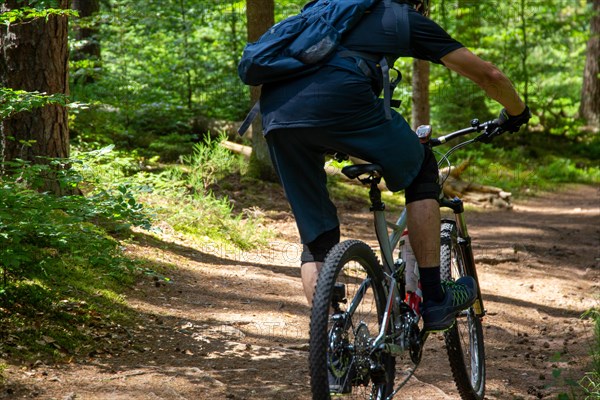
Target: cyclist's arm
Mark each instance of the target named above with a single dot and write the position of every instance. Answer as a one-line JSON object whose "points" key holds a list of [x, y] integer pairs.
{"points": [[487, 76]]}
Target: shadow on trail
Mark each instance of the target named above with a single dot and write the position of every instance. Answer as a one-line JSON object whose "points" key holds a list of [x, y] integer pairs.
{"points": [[223, 256], [542, 309], [193, 358], [191, 291]]}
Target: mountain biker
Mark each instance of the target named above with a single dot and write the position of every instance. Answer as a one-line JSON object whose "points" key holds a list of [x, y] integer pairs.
{"points": [[338, 108]]}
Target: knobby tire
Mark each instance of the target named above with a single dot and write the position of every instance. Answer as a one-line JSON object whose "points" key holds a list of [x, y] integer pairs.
{"points": [[464, 341], [349, 262]]}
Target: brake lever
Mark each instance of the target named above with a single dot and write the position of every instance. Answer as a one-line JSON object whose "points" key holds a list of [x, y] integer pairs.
{"points": [[491, 131]]}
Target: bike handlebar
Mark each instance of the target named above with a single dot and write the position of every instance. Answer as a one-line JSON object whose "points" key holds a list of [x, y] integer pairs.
{"points": [[490, 130]]}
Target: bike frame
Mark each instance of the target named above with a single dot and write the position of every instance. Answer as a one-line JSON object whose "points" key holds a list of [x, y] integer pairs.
{"points": [[389, 241], [398, 318]]}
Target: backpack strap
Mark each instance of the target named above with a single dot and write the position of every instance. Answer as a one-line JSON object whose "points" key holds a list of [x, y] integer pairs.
{"points": [[388, 86], [249, 119]]}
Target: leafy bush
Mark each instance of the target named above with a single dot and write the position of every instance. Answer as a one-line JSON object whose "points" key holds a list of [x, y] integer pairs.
{"points": [[185, 197], [36, 228], [591, 381]]}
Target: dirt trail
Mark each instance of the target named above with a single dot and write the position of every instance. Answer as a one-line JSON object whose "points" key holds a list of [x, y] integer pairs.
{"points": [[233, 325]]}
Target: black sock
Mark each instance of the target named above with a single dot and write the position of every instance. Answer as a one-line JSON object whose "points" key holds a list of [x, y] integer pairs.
{"points": [[431, 284]]}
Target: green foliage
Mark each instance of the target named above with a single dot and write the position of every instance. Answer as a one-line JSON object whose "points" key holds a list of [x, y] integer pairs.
{"points": [[181, 195], [60, 262], [166, 63], [15, 101], [163, 64], [522, 169], [210, 162], [28, 13], [172, 147], [55, 250], [189, 203], [539, 45], [591, 381], [37, 227]]}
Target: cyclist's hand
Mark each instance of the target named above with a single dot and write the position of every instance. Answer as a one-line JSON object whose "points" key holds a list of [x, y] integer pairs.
{"points": [[512, 123]]}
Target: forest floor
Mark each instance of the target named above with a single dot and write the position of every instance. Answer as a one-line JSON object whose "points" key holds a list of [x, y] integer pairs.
{"points": [[234, 325]]}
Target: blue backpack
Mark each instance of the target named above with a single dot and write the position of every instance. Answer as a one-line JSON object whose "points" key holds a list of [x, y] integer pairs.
{"points": [[301, 43]]}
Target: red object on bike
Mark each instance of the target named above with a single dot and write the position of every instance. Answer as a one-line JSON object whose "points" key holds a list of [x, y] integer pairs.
{"points": [[414, 301]]}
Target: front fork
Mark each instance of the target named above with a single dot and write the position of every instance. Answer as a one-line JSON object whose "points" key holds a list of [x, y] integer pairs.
{"points": [[464, 244]]}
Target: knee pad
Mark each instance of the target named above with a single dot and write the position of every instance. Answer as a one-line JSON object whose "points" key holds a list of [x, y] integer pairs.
{"points": [[426, 184], [318, 248]]}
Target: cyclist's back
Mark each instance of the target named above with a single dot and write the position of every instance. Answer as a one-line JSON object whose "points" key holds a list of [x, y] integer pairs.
{"points": [[350, 86]]}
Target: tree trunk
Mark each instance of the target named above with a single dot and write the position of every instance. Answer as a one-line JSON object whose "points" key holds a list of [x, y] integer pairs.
{"points": [[420, 93], [590, 92], [35, 58], [260, 17], [87, 35]]}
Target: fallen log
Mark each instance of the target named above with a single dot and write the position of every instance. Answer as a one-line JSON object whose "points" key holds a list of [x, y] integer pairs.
{"points": [[471, 192], [237, 148]]}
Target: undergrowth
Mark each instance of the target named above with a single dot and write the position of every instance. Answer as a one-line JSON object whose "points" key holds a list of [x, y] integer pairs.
{"points": [[61, 267], [63, 270], [182, 194], [524, 170], [591, 381]]}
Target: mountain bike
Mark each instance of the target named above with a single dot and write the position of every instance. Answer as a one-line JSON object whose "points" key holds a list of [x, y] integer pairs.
{"points": [[366, 338]]}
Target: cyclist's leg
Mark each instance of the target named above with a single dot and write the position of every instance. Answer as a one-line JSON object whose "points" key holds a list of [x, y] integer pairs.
{"points": [[424, 227], [299, 159], [312, 259], [310, 272], [423, 218], [441, 302]]}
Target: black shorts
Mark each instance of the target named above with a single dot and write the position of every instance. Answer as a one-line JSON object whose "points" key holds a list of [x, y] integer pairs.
{"points": [[426, 184], [298, 155]]}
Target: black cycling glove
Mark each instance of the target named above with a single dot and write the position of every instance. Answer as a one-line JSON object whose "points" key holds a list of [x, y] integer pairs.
{"points": [[513, 123]]}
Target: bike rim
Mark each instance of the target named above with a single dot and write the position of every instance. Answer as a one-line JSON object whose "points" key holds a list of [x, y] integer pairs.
{"points": [[466, 325]]}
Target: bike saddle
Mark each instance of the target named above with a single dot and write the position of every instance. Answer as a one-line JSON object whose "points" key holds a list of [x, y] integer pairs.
{"points": [[354, 171]]}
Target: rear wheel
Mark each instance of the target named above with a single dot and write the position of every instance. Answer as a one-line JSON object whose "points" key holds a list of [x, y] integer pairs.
{"points": [[347, 310], [464, 341]]}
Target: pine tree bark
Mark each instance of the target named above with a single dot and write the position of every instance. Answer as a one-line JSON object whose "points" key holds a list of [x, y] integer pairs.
{"points": [[34, 57], [590, 92], [260, 15], [420, 93]]}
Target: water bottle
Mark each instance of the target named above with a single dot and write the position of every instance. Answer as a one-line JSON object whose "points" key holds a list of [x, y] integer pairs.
{"points": [[413, 291]]}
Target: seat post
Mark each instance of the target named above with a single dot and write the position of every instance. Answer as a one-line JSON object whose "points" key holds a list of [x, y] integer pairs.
{"points": [[375, 195]]}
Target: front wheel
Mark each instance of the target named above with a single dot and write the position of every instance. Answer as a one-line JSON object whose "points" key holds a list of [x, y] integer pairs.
{"points": [[346, 316], [464, 341]]}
